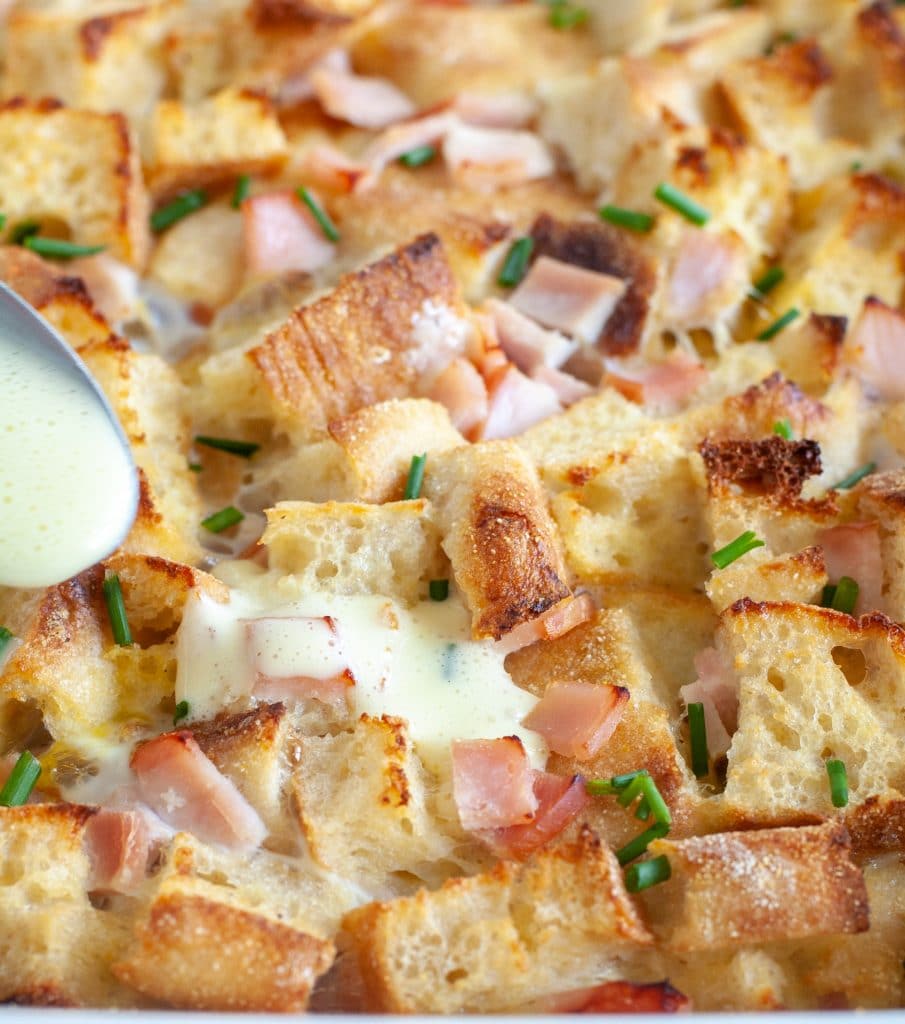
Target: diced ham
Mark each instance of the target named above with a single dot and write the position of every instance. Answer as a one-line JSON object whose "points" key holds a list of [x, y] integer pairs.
{"points": [[717, 689], [560, 800], [568, 298], [297, 88], [493, 785], [179, 783], [854, 550], [119, 844], [356, 99], [281, 234], [556, 621], [296, 658], [462, 390], [516, 403], [329, 167], [525, 342], [876, 350], [496, 110], [112, 285], [665, 385], [577, 718], [568, 389], [617, 997], [708, 274], [494, 157], [399, 139]]}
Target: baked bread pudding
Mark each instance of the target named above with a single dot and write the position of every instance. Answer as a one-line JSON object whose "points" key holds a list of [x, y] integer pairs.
{"points": [[512, 619]]}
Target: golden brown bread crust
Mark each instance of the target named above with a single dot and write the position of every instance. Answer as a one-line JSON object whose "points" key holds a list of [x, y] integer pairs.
{"points": [[772, 467]]}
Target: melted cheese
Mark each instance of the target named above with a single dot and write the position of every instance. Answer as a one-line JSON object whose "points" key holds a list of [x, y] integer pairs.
{"points": [[419, 664]]}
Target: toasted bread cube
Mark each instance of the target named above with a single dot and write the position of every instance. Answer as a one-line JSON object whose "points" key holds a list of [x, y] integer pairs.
{"points": [[881, 497], [233, 132], [391, 549], [744, 888], [271, 13], [499, 939], [80, 169]]}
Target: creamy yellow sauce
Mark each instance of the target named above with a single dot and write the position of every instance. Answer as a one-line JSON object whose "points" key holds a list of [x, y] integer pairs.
{"points": [[416, 663], [68, 488]]}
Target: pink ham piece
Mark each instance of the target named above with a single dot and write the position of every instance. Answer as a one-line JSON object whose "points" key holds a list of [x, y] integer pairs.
{"points": [[179, 783], [617, 997], [281, 234], [494, 157], [568, 298], [330, 168], [516, 403], [119, 844], [462, 390], [576, 719], [524, 341], [399, 139], [854, 550], [356, 99], [297, 658], [560, 800], [664, 386], [708, 276], [876, 350], [496, 110], [556, 621], [113, 286], [717, 689], [493, 785], [568, 389]]}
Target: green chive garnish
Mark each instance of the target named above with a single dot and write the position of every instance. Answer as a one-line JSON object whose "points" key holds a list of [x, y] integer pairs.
{"points": [[600, 787], [646, 873], [227, 444], [58, 249], [319, 213], [24, 230], [17, 788], [415, 477], [182, 711], [631, 791], [176, 209], [564, 15], [845, 596], [697, 727], [855, 477], [742, 544], [651, 801], [783, 428], [195, 467], [855, 166], [240, 192], [438, 590], [768, 281], [222, 520], [828, 596], [835, 769], [418, 156], [2, 221], [640, 843], [5, 637], [634, 220], [516, 262], [620, 781], [676, 200], [116, 609], [769, 333]]}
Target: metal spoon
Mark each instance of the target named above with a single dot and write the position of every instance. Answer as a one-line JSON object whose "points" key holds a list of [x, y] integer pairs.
{"points": [[68, 483]]}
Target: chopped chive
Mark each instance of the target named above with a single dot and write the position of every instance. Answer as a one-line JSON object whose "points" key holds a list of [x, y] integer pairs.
{"points": [[319, 213], [628, 794], [676, 200], [855, 477], [564, 15], [415, 477], [58, 249], [828, 595], [835, 769], [855, 166], [600, 787], [700, 759], [646, 873], [2, 221], [5, 637], [24, 230], [655, 802], [418, 156], [634, 220], [783, 428], [195, 467], [846, 596], [642, 811], [438, 590], [516, 262], [768, 281], [227, 444], [769, 333], [640, 843], [449, 658], [734, 550], [222, 520], [620, 781], [182, 711], [116, 609], [176, 209], [240, 192], [17, 788]]}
